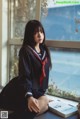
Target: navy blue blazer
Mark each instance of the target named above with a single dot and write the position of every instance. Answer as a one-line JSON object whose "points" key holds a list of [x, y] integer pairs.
{"points": [[33, 69]]}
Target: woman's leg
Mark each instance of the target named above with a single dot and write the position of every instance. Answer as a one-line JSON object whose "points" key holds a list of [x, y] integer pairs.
{"points": [[24, 114]]}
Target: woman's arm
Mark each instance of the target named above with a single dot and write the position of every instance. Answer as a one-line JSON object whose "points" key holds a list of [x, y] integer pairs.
{"points": [[25, 71]]}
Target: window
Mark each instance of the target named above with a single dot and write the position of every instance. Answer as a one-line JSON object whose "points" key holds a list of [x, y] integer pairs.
{"points": [[62, 28], [3, 41]]}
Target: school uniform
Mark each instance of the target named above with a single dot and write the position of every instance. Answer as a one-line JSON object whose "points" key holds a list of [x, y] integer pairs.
{"points": [[34, 70], [32, 80]]}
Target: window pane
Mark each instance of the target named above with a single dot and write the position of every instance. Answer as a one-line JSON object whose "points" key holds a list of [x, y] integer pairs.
{"points": [[21, 12], [64, 79], [13, 63], [62, 22]]}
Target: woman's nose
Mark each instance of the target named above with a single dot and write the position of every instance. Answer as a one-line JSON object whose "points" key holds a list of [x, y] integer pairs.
{"points": [[39, 33]]}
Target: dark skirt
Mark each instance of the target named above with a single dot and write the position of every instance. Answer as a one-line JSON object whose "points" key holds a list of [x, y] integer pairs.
{"points": [[12, 95], [13, 98]]}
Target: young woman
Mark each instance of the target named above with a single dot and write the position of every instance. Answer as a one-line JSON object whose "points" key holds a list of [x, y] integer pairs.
{"points": [[30, 86]]}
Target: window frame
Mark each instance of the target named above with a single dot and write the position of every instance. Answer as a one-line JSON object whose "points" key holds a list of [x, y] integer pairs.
{"points": [[63, 44], [4, 40]]}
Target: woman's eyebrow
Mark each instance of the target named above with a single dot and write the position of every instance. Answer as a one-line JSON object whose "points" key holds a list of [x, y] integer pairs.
{"points": [[38, 29]]}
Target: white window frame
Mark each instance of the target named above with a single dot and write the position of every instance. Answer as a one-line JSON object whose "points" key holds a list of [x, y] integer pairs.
{"points": [[1, 39], [3, 42]]}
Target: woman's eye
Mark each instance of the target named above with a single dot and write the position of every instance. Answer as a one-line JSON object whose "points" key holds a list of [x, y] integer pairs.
{"points": [[35, 32], [41, 31]]}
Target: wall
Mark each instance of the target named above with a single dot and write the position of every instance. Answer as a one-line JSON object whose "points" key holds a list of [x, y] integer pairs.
{"points": [[3, 42]]}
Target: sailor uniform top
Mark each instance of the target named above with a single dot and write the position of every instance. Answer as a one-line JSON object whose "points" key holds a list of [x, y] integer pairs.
{"points": [[34, 70]]}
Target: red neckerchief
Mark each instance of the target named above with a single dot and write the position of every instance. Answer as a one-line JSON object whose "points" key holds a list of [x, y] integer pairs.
{"points": [[43, 62], [43, 75]]}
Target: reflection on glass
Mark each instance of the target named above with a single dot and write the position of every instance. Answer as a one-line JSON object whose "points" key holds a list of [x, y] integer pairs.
{"points": [[62, 23], [64, 80]]}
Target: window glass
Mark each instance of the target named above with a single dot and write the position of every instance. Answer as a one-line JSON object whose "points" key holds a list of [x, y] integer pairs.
{"points": [[64, 79], [21, 12], [14, 59], [62, 22]]}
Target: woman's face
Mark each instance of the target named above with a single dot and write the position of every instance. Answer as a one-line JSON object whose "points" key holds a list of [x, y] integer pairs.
{"points": [[38, 36]]}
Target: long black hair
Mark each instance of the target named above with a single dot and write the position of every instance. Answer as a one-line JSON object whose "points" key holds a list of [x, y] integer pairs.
{"points": [[30, 29]]}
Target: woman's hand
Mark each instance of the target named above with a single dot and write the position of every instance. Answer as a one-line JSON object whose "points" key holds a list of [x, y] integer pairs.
{"points": [[33, 104]]}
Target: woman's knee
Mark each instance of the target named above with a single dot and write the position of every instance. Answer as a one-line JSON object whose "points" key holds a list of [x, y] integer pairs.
{"points": [[44, 99], [43, 103]]}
